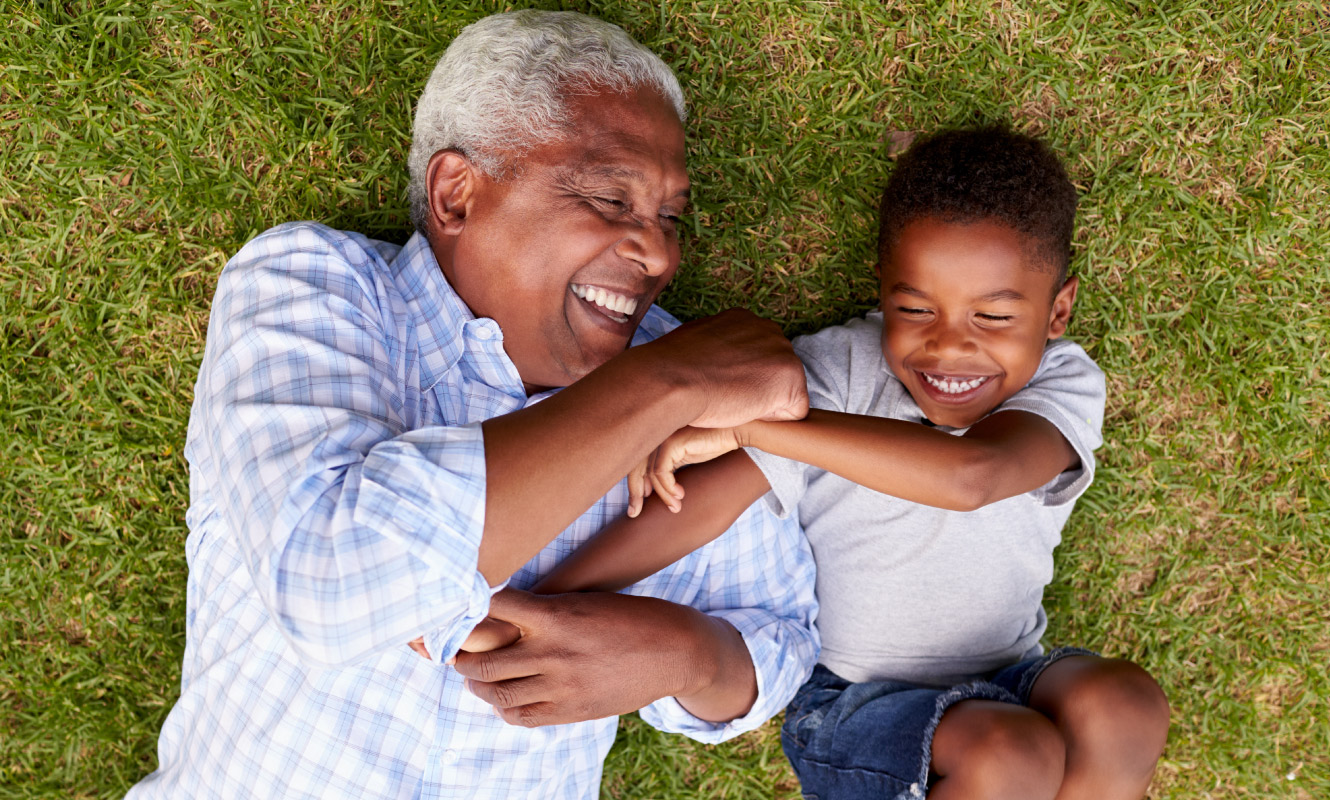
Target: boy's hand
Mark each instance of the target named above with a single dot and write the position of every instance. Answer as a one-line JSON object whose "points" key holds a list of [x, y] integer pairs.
{"points": [[490, 634], [685, 446]]}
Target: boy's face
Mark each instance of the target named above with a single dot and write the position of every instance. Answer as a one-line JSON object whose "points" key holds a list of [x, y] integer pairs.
{"points": [[967, 314]]}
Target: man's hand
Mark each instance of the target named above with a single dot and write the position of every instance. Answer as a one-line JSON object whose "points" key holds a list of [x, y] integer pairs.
{"points": [[742, 365], [686, 446], [593, 655]]}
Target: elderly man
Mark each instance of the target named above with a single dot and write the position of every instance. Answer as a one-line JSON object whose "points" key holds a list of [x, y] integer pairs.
{"points": [[377, 446]]}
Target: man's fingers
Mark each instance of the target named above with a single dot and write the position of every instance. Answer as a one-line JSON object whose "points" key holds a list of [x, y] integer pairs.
{"points": [[506, 664], [531, 702], [796, 408], [418, 644], [513, 693]]}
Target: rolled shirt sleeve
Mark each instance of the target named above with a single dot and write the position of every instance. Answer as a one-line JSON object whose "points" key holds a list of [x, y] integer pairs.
{"points": [[358, 531], [759, 578]]}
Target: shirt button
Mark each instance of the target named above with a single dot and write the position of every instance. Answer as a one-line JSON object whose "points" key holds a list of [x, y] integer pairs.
{"points": [[483, 332], [451, 757]]}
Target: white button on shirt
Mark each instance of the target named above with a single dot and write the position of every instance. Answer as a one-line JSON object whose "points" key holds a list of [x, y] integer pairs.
{"points": [[337, 487]]}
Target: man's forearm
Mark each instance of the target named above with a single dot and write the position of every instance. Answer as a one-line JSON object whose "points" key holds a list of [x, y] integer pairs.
{"points": [[548, 463], [722, 681]]}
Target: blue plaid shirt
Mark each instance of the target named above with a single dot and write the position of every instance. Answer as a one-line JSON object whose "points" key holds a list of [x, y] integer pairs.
{"points": [[337, 488]]}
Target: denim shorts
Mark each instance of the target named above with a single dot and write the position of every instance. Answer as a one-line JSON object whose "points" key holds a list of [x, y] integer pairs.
{"points": [[854, 741]]}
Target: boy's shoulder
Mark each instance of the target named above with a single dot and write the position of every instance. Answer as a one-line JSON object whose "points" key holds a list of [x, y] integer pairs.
{"points": [[846, 370], [860, 337], [1063, 357]]}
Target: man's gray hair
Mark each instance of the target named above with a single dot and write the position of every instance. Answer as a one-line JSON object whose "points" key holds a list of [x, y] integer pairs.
{"points": [[500, 88]]}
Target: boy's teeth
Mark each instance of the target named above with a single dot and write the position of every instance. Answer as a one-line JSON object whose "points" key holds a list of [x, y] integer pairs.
{"points": [[953, 386], [609, 301]]}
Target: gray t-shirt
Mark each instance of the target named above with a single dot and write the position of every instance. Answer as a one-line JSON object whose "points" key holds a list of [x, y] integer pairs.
{"points": [[911, 592]]}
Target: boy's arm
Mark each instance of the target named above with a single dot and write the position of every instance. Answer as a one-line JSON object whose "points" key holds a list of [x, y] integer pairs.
{"points": [[632, 548], [1001, 456], [628, 550]]}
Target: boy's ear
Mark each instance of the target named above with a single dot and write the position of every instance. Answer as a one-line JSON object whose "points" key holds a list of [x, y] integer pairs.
{"points": [[1060, 315], [450, 183]]}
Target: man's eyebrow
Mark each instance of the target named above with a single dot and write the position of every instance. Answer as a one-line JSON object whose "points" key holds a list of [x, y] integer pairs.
{"points": [[614, 172]]}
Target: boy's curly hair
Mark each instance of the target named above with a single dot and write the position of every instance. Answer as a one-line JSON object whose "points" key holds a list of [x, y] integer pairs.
{"points": [[970, 174]]}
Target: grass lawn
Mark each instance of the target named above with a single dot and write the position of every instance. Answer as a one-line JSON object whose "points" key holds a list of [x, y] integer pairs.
{"points": [[142, 143]]}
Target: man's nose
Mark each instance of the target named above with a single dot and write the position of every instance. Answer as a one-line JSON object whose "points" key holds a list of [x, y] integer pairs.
{"points": [[649, 244]]}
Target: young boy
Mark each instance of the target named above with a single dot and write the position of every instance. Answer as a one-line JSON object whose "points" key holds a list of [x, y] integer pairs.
{"points": [[950, 435]]}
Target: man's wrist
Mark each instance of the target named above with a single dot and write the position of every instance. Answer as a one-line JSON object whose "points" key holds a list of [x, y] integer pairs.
{"points": [[664, 380], [719, 681]]}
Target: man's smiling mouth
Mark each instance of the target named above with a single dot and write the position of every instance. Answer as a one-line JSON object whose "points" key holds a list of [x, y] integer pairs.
{"points": [[616, 306]]}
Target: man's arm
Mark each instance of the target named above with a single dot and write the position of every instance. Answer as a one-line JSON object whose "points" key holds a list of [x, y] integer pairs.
{"points": [[361, 532], [711, 671], [588, 656], [547, 464]]}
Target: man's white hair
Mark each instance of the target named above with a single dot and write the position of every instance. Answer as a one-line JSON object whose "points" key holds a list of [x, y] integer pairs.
{"points": [[500, 88]]}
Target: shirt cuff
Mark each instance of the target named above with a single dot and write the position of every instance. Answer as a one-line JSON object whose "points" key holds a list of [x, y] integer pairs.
{"points": [[781, 663], [444, 643]]}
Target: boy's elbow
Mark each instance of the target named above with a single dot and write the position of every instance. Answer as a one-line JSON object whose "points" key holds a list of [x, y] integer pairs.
{"points": [[975, 484]]}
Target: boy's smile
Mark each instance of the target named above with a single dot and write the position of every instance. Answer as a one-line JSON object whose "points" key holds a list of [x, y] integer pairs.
{"points": [[966, 315]]}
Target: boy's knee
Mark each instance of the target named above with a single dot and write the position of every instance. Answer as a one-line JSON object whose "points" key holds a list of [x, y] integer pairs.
{"points": [[1114, 702], [1009, 750]]}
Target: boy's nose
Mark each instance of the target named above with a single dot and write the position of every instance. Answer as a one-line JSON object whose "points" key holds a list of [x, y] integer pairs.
{"points": [[950, 341]]}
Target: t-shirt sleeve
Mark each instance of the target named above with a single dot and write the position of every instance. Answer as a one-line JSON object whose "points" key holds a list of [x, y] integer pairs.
{"points": [[827, 390], [1067, 390]]}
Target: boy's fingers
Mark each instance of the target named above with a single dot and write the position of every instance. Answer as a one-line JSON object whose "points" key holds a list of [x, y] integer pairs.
{"points": [[491, 634], [418, 644], [639, 488], [667, 493]]}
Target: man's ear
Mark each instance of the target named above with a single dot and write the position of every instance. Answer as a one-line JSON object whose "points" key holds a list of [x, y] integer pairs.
{"points": [[450, 182], [1062, 303]]}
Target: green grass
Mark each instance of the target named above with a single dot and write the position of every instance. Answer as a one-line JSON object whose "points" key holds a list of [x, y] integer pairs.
{"points": [[141, 144]]}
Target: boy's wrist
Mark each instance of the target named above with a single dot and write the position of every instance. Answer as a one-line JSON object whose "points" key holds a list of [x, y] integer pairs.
{"points": [[748, 434]]}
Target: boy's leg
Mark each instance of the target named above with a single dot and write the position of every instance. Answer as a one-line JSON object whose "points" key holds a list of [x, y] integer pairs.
{"points": [[1114, 719], [989, 749]]}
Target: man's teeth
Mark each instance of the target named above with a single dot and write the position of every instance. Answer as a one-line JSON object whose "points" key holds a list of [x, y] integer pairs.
{"points": [[609, 301], [953, 386]]}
